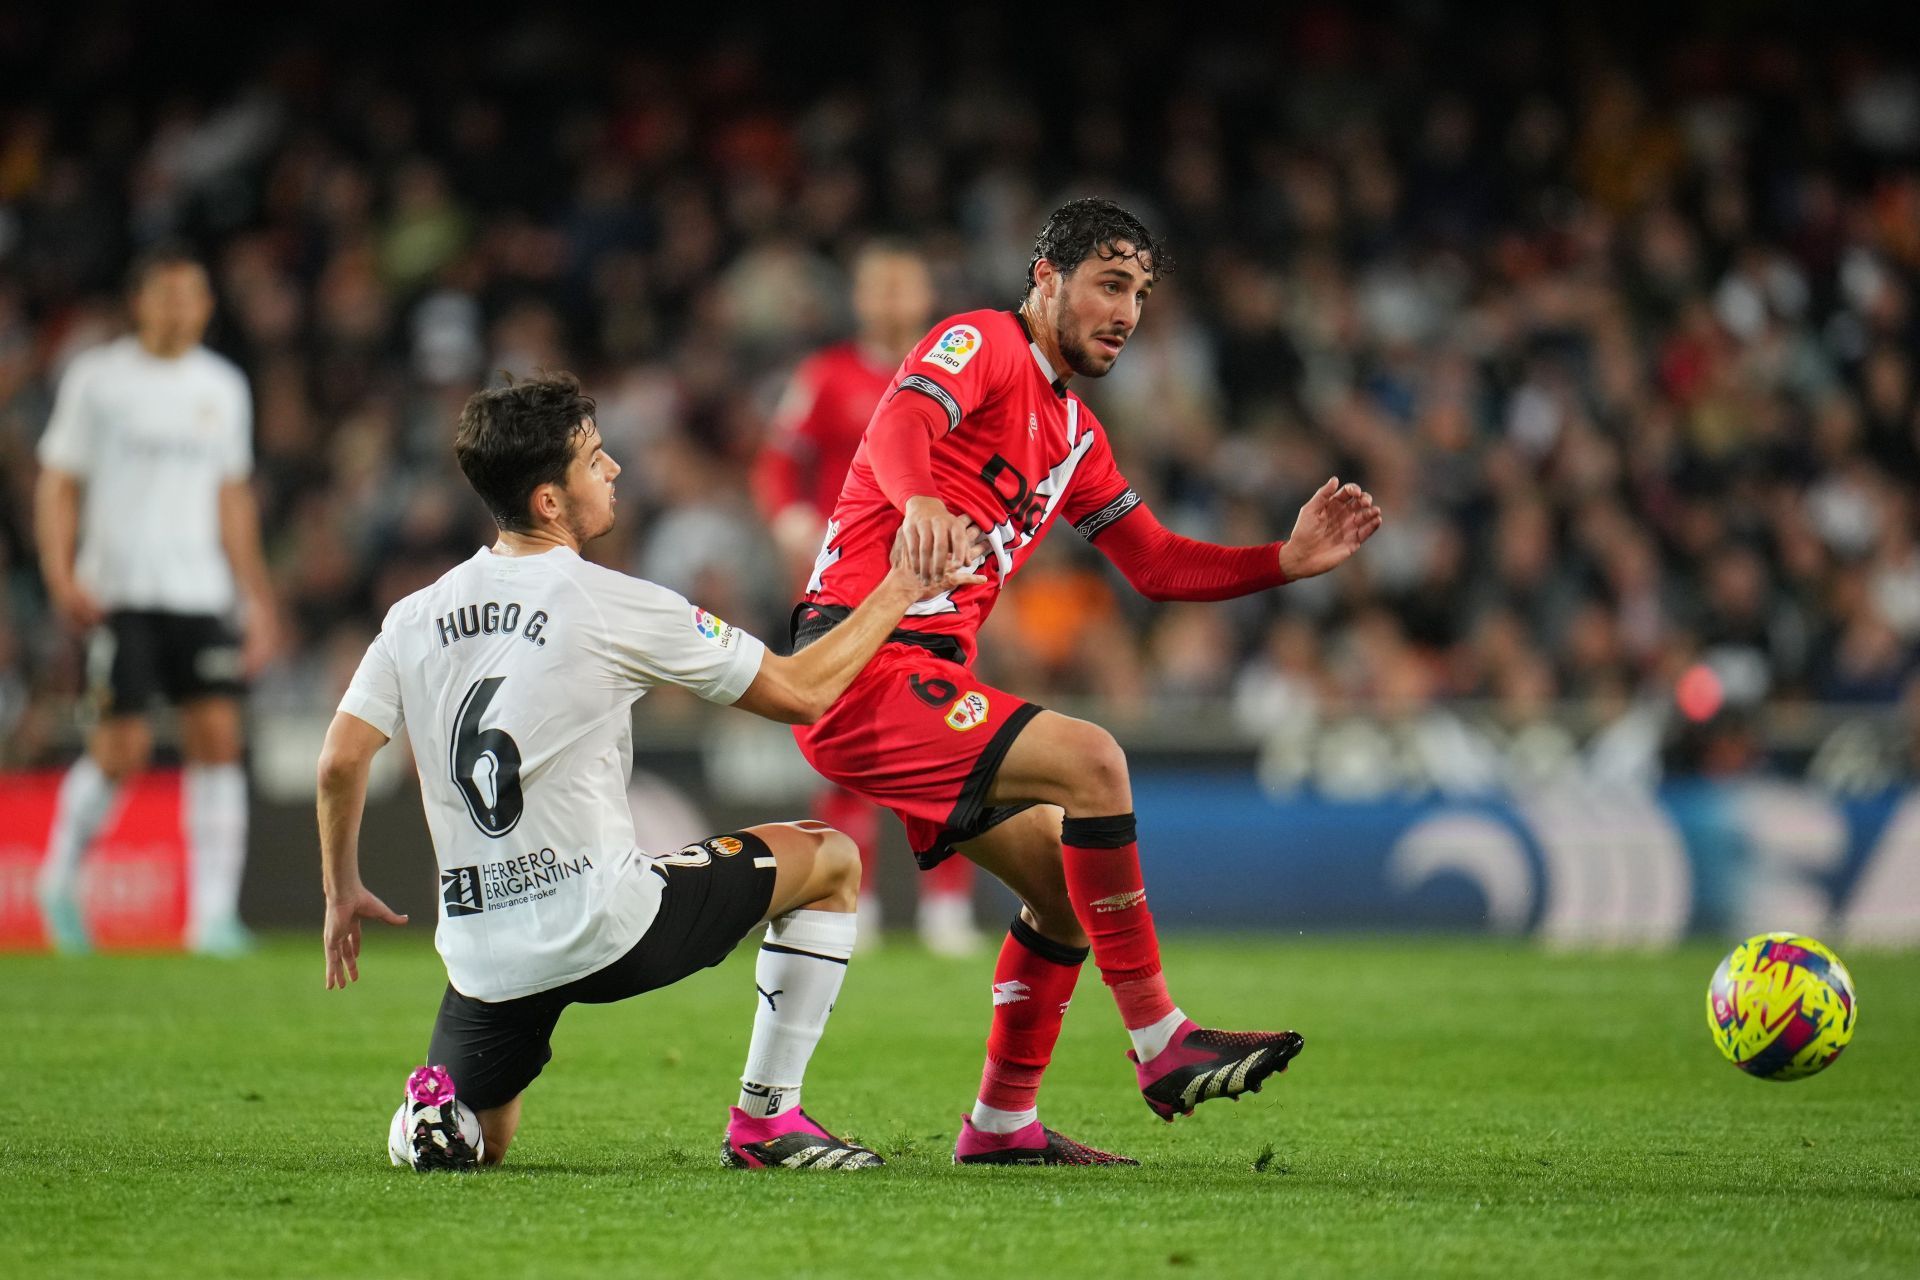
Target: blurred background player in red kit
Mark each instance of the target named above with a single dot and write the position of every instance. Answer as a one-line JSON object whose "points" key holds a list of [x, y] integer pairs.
{"points": [[797, 480]]}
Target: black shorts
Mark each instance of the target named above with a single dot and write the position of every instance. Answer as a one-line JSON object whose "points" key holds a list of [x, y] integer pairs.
{"points": [[713, 897], [137, 655]]}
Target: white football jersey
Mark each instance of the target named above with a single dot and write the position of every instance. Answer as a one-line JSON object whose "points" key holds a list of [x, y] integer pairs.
{"points": [[514, 677], [152, 440]]}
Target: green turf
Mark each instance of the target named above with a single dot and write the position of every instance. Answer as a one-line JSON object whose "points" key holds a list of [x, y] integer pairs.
{"points": [[1461, 1109]]}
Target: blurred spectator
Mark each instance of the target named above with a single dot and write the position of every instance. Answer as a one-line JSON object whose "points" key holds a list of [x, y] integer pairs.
{"points": [[1622, 335]]}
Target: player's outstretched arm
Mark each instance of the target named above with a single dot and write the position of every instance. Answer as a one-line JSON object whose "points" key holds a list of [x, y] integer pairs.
{"points": [[1163, 565], [1330, 528], [344, 762], [799, 689]]}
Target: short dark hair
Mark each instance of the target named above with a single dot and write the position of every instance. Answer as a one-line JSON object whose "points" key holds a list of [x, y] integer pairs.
{"points": [[1080, 229], [515, 438], [157, 257]]}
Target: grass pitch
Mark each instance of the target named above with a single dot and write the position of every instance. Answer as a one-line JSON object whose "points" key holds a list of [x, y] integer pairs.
{"points": [[1461, 1109]]}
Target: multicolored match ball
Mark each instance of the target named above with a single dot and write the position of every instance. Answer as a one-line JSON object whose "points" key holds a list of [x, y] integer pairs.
{"points": [[1781, 1006]]}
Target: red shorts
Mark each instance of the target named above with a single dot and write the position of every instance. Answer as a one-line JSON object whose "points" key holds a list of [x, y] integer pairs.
{"points": [[924, 737]]}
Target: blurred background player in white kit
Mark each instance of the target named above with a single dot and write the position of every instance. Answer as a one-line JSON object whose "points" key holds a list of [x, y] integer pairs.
{"points": [[149, 535], [796, 482]]}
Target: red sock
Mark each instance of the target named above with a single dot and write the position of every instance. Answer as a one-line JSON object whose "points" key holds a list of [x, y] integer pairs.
{"points": [[858, 818], [1032, 983], [1109, 896], [949, 876], [1143, 1001]]}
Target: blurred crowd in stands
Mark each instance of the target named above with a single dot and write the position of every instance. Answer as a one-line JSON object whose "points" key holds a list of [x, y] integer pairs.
{"points": [[1618, 325]]}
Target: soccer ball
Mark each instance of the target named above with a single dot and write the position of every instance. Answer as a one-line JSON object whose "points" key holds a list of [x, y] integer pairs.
{"points": [[1781, 1006]]}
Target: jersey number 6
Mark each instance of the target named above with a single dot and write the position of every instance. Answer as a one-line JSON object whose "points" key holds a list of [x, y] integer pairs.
{"points": [[485, 764], [935, 692]]}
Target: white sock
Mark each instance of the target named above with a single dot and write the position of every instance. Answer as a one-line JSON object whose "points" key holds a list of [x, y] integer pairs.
{"points": [[1150, 1042], [797, 976], [946, 921], [214, 801], [993, 1120], [88, 798]]}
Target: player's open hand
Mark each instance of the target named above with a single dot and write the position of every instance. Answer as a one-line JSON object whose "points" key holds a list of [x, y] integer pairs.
{"points": [[1331, 527], [342, 933]]}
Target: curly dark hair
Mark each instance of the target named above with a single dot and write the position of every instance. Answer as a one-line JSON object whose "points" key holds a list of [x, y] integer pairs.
{"points": [[1081, 229], [515, 438]]}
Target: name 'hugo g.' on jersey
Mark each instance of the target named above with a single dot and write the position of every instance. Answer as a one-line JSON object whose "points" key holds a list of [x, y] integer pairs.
{"points": [[491, 618], [1018, 449], [515, 677]]}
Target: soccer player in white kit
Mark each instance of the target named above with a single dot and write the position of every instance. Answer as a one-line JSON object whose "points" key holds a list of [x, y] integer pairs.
{"points": [[149, 535], [514, 676]]}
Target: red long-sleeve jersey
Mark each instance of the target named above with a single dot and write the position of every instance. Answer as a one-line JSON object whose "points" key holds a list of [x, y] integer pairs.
{"points": [[817, 428], [1010, 447]]}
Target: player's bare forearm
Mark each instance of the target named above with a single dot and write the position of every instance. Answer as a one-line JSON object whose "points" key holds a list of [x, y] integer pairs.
{"points": [[240, 539], [56, 524], [799, 689], [344, 764]]}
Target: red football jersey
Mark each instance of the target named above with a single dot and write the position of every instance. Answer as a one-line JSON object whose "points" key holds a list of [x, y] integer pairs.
{"points": [[1019, 450], [817, 428]]}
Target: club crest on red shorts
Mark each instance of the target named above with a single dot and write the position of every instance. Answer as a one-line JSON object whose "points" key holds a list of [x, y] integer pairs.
{"points": [[969, 711]]}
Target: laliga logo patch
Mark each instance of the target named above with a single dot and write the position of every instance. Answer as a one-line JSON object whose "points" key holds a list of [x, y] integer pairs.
{"points": [[955, 347], [711, 627], [969, 711]]}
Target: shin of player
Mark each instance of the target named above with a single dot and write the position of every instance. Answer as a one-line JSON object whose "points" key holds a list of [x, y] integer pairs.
{"points": [[797, 975]]}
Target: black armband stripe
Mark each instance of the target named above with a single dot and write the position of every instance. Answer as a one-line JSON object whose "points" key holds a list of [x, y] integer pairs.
{"points": [[935, 392], [1090, 527]]}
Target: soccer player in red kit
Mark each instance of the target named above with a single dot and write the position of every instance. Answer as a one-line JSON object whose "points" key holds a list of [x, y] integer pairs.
{"points": [[980, 429], [796, 480]]}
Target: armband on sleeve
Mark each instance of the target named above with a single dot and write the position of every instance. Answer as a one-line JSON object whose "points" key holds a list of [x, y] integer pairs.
{"points": [[937, 393]]}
